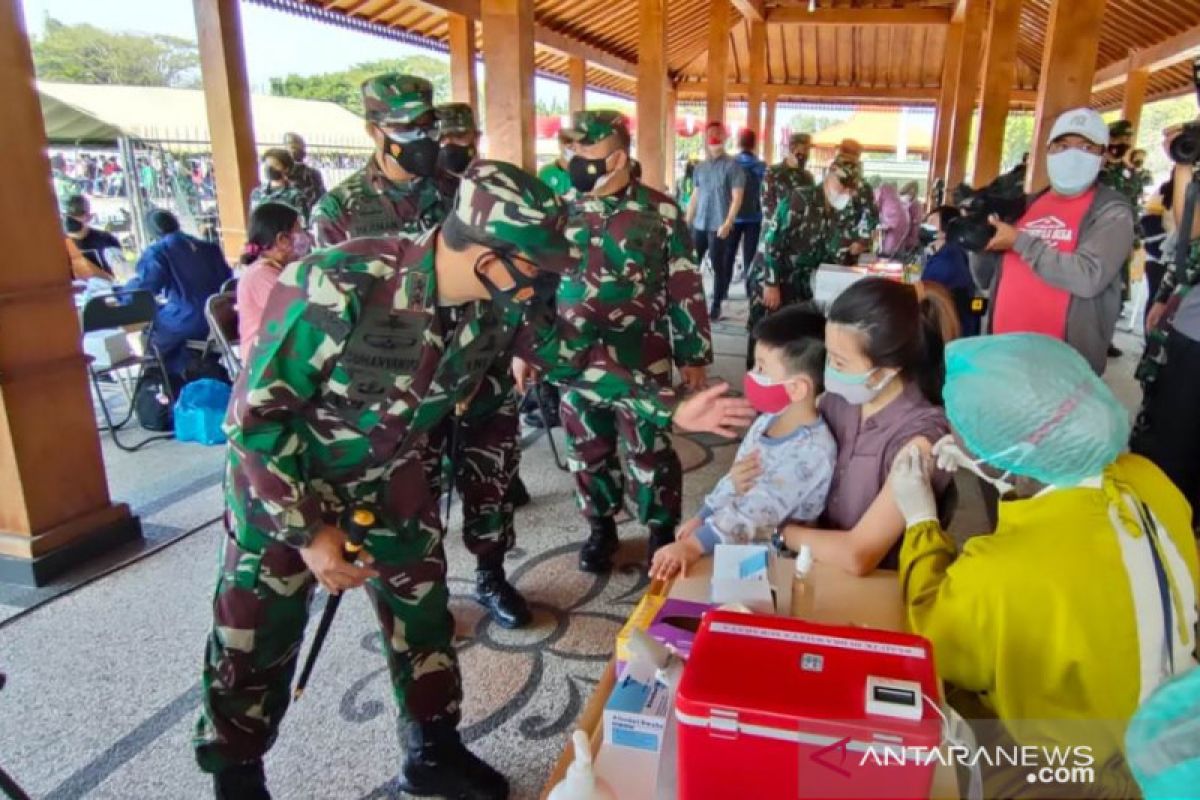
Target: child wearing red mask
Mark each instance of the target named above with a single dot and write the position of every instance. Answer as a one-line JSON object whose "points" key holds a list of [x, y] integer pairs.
{"points": [[795, 448]]}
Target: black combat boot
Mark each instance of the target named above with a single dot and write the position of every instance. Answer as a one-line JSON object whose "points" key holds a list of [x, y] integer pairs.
{"points": [[517, 494], [436, 763], [660, 536], [498, 596], [241, 782], [596, 555]]}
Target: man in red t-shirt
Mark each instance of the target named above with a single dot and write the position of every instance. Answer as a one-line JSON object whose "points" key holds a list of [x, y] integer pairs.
{"points": [[1057, 271]]}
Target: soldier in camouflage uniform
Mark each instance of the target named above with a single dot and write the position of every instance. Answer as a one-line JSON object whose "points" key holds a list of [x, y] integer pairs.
{"points": [[806, 230], [788, 175], [355, 369], [400, 190], [276, 187], [305, 178], [1118, 173], [866, 212], [484, 439], [639, 294]]}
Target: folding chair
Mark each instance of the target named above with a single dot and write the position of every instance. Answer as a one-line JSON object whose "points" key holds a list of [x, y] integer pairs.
{"points": [[537, 398], [121, 310], [221, 312], [229, 286]]}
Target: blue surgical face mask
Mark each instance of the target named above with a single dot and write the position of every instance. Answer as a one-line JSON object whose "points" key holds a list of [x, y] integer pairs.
{"points": [[853, 386]]}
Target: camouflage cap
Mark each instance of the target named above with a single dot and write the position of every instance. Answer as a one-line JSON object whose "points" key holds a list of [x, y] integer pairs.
{"points": [[456, 118], [396, 99], [1120, 129], [799, 138], [589, 127], [500, 205]]}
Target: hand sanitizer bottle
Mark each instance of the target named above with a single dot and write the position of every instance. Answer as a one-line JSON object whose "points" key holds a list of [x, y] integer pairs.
{"points": [[803, 601], [581, 782]]}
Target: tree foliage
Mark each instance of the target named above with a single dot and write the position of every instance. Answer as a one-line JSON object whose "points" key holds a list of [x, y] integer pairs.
{"points": [[1018, 139], [86, 54], [343, 87]]}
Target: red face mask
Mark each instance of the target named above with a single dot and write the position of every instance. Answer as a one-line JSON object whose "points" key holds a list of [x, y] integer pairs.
{"points": [[716, 139], [766, 398]]}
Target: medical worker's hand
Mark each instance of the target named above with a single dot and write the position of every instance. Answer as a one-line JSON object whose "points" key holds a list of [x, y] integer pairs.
{"points": [[909, 480]]}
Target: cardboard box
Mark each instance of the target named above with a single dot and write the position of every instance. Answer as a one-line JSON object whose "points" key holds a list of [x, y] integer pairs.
{"points": [[641, 618], [637, 711], [676, 622]]}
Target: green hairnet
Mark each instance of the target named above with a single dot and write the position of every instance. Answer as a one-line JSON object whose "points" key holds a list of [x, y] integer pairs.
{"points": [[1031, 405], [1163, 739]]}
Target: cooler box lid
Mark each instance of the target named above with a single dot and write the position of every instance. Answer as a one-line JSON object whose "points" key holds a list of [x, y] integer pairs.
{"points": [[777, 671]]}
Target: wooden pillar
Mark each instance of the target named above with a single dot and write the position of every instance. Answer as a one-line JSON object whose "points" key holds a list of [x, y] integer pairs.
{"points": [[463, 86], [652, 92], [718, 59], [944, 120], [758, 76], [230, 123], [769, 135], [577, 78], [55, 510], [966, 90], [508, 59], [1068, 67], [999, 72], [1135, 98], [672, 110]]}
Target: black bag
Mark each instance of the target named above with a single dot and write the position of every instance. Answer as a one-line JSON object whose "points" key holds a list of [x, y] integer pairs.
{"points": [[152, 404]]}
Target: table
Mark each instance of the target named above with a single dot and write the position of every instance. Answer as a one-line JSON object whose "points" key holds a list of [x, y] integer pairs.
{"points": [[838, 598]]}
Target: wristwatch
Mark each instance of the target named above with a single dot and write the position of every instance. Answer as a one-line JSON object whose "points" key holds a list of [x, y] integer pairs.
{"points": [[780, 545]]}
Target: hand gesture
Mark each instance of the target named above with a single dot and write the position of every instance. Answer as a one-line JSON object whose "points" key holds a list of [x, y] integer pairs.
{"points": [[325, 558]]}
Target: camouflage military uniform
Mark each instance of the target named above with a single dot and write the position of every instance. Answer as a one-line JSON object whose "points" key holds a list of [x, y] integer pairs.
{"points": [[352, 376], [288, 195], [639, 295], [804, 232], [308, 181], [781, 181]]}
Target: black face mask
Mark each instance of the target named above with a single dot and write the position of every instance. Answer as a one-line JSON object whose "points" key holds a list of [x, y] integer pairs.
{"points": [[926, 235], [418, 156], [273, 174], [586, 171], [525, 292], [455, 158], [801, 160]]}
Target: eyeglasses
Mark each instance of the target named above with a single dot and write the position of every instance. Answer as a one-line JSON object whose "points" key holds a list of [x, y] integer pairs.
{"points": [[1087, 147]]}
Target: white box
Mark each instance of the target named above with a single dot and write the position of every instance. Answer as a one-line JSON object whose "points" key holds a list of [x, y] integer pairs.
{"points": [[636, 713]]}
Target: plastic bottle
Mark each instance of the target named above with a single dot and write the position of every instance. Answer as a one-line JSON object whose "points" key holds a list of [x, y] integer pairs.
{"points": [[581, 782], [803, 601]]}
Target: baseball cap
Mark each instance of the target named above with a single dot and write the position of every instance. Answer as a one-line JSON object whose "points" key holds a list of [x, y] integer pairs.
{"points": [[1082, 122]]}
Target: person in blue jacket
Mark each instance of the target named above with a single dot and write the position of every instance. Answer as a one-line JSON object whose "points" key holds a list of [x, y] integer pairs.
{"points": [[947, 263], [747, 228], [185, 271]]}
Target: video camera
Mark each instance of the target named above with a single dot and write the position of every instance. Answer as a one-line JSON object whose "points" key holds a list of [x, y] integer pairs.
{"points": [[1185, 147], [1002, 197]]}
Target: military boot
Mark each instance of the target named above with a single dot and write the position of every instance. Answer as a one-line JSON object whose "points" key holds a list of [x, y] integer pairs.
{"points": [[493, 591], [436, 763], [596, 555], [241, 782], [660, 536]]}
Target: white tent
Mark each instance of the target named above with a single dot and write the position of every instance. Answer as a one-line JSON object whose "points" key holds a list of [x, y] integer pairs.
{"points": [[87, 113]]}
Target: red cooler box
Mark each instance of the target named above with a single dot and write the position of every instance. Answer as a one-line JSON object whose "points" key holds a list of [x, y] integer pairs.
{"points": [[776, 708]]}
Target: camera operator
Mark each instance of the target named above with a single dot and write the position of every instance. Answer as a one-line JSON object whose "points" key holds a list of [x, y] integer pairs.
{"points": [[1057, 271], [1168, 429]]}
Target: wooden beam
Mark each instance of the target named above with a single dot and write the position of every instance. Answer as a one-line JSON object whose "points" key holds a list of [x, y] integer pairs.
{"points": [[671, 136], [796, 15], [546, 36], [966, 88], [751, 10], [999, 71], [1072, 42], [508, 59], [758, 77], [944, 122], [718, 59], [464, 87], [652, 91], [1135, 98], [231, 128], [769, 132], [577, 81], [54, 501], [1178, 48], [798, 92]]}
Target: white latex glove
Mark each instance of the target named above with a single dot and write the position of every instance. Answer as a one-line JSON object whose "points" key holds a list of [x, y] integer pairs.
{"points": [[909, 480], [948, 456]]}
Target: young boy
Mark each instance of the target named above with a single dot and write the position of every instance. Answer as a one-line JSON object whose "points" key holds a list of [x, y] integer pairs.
{"points": [[797, 451]]}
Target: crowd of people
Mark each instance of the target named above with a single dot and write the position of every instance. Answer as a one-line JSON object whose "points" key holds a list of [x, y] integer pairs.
{"points": [[385, 366]]}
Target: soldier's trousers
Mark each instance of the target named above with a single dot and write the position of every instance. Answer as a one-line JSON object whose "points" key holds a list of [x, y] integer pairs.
{"points": [[655, 474], [259, 614], [487, 455]]}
